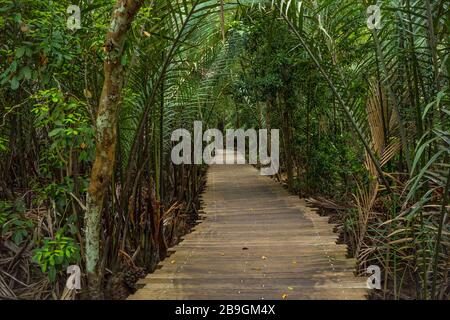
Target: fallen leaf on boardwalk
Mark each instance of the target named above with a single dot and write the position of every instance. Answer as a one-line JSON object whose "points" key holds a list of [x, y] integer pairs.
{"points": [[222, 254], [172, 262], [264, 257], [294, 262], [290, 288], [284, 296], [244, 248]]}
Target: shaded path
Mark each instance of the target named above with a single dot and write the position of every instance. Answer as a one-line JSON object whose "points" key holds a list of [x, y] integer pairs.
{"points": [[256, 242]]}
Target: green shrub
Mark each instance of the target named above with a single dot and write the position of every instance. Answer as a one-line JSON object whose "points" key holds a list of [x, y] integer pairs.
{"points": [[55, 255], [13, 223]]}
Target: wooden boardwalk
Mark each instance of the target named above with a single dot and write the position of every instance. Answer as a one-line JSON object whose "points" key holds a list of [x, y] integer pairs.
{"points": [[255, 241]]}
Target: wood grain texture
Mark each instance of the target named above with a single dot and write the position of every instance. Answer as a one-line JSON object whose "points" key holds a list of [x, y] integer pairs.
{"points": [[255, 241]]}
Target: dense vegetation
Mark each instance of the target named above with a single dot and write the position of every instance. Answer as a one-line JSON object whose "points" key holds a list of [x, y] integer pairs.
{"points": [[87, 116]]}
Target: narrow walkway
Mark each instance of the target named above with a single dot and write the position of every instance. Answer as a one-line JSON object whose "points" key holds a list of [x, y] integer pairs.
{"points": [[256, 242]]}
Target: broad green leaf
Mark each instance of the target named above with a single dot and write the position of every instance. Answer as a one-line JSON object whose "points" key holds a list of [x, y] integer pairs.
{"points": [[20, 52], [15, 83]]}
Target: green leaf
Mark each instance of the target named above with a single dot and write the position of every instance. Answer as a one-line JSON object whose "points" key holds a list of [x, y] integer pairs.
{"points": [[52, 274], [17, 238], [13, 66], [55, 132], [124, 60], [17, 17], [15, 83], [28, 52], [26, 72], [20, 52]]}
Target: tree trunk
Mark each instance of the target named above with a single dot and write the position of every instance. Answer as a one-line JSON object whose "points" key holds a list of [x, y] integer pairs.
{"points": [[106, 136]]}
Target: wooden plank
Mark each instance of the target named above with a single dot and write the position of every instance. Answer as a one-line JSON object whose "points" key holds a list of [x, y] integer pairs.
{"points": [[288, 248]]}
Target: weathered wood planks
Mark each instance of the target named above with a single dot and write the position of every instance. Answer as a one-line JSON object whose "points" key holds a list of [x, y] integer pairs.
{"points": [[256, 242]]}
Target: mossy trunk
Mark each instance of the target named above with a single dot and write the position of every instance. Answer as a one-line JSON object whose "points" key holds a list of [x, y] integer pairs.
{"points": [[106, 136]]}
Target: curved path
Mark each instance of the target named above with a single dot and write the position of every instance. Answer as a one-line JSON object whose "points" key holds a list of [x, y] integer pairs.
{"points": [[255, 241]]}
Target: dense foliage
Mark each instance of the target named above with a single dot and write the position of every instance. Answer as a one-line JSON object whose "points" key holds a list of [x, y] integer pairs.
{"points": [[363, 113]]}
